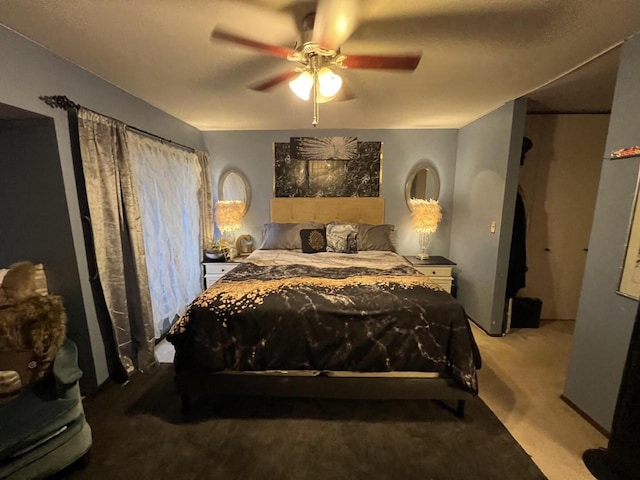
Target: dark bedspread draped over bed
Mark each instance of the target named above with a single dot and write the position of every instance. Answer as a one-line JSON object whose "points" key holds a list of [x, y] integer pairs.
{"points": [[299, 317]]}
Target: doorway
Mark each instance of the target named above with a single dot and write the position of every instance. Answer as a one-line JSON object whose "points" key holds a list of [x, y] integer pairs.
{"points": [[560, 180]]}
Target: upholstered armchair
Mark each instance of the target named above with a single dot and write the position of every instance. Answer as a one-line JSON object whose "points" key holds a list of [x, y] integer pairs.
{"points": [[42, 424], [44, 429]]}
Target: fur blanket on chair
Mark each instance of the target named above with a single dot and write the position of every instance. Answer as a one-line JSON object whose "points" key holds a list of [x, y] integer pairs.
{"points": [[32, 327], [39, 324]]}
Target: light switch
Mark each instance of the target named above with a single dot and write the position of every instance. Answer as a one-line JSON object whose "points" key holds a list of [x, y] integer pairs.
{"points": [[493, 227]]}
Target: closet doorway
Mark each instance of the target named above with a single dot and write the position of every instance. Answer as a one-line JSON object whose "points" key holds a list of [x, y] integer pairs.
{"points": [[560, 180]]}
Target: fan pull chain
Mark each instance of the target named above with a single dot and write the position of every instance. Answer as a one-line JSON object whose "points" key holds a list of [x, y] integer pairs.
{"points": [[315, 100], [314, 70]]}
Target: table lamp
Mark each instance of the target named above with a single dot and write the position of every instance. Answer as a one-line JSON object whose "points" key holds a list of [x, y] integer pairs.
{"points": [[228, 216], [425, 216]]}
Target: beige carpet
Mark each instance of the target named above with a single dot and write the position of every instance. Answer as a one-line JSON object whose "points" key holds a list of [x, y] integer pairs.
{"points": [[521, 381]]}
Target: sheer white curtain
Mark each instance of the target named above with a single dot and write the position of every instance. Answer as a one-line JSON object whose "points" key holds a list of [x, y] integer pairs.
{"points": [[168, 179]]}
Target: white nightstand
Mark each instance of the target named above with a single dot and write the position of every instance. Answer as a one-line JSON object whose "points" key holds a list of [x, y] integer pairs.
{"points": [[213, 271], [438, 269]]}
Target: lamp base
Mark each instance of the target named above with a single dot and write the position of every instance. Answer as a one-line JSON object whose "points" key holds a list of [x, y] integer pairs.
{"points": [[229, 242], [424, 239]]}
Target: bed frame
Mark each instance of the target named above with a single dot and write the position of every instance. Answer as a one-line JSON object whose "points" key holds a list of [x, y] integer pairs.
{"points": [[322, 386], [324, 210]]}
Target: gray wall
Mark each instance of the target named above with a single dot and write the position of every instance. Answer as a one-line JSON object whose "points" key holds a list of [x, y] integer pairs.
{"points": [[252, 153], [486, 182], [29, 71], [605, 319]]}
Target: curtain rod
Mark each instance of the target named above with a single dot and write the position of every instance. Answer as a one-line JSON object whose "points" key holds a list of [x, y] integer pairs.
{"points": [[62, 102]]}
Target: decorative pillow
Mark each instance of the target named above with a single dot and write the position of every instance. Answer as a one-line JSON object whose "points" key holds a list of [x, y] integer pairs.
{"points": [[40, 277], [10, 383], [313, 240], [41, 280], [18, 284], [342, 238], [18, 370], [284, 236], [375, 237]]}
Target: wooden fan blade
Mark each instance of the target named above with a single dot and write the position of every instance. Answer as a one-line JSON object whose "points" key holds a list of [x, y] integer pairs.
{"points": [[271, 82], [220, 33], [382, 62], [335, 21]]}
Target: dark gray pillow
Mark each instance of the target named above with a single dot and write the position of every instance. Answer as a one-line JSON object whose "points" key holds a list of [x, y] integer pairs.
{"points": [[375, 237], [313, 240], [284, 236]]}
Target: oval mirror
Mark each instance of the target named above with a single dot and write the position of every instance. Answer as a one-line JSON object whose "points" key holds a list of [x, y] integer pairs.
{"points": [[423, 183], [233, 185]]}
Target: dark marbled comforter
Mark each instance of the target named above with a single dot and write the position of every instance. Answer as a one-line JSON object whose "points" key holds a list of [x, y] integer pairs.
{"points": [[298, 317]]}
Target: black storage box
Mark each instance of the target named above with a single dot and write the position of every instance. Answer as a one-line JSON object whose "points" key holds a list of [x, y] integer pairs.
{"points": [[525, 312]]}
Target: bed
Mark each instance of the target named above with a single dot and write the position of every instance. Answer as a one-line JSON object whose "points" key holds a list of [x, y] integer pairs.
{"points": [[329, 324]]}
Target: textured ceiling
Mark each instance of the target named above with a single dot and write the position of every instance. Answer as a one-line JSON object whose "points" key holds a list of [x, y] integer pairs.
{"points": [[476, 55], [588, 89]]}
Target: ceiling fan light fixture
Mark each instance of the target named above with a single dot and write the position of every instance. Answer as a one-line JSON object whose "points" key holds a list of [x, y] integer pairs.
{"points": [[329, 83], [302, 85], [318, 51]]}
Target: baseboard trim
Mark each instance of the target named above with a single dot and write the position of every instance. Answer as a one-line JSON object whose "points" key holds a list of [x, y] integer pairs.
{"points": [[584, 415], [484, 329]]}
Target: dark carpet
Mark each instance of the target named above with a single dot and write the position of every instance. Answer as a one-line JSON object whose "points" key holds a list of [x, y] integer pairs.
{"points": [[138, 433]]}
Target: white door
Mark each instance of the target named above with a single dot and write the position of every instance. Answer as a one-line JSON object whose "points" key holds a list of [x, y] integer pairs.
{"points": [[560, 182]]}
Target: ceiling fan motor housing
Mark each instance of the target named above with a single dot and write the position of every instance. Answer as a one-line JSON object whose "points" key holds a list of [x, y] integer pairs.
{"points": [[307, 27]]}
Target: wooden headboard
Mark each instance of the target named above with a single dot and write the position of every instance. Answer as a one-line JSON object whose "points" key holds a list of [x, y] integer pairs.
{"points": [[326, 209]]}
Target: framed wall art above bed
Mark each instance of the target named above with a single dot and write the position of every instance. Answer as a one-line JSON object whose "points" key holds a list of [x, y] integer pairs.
{"points": [[327, 167]]}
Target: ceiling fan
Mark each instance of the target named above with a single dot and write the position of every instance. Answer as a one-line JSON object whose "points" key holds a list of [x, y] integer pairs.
{"points": [[318, 54]]}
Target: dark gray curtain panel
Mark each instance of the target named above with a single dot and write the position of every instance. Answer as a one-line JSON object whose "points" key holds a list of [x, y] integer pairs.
{"points": [[117, 232]]}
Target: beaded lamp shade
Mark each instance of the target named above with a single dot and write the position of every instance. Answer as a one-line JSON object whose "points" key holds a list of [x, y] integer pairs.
{"points": [[228, 215]]}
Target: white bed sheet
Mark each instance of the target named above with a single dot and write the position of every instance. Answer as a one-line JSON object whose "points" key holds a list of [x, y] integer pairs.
{"points": [[373, 259]]}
